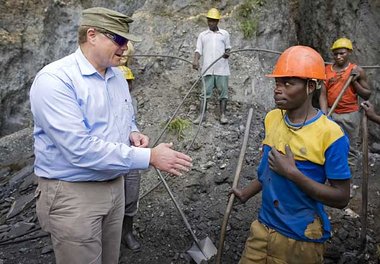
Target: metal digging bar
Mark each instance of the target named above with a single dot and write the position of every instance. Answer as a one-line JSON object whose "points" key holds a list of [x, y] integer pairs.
{"points": [[234, 184], [201, 250], [363, 214]]}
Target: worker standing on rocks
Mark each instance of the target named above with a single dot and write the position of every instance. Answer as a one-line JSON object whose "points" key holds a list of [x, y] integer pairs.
{"points": [[346, 113], [302, 149], [86, 139], [212, 44], [132, 178]]}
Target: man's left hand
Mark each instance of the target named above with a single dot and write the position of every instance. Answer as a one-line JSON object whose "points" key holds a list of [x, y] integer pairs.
{"points": [[139, 140]]}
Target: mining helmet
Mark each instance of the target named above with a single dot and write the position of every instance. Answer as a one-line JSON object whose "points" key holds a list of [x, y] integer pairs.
{"points": [[127, 72], [342, 43], [213, 13], [300, 61]]}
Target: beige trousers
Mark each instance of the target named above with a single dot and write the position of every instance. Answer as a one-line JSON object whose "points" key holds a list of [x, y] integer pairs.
{"points": [[84, 219], [266, 246]]}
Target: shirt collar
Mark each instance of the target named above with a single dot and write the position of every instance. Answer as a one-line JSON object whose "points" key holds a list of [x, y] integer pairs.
{"points": [[86, 68], [210, 31]]}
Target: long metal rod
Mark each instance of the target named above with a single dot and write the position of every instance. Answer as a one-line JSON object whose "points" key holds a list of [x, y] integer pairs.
{"points": [[187, 94], [192, 87], [175, 113], [363, 217], [239, 50], [234, 184]]}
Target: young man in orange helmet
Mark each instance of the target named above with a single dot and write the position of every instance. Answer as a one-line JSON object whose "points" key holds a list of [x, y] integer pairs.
{"points": [[211, 45], [346, 114], [302, 149]]}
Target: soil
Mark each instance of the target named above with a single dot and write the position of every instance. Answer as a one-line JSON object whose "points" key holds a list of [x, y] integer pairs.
{"points": [[203, 193]]}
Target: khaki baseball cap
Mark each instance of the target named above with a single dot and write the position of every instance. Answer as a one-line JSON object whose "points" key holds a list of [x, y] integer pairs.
{"points": [[109, 20]]}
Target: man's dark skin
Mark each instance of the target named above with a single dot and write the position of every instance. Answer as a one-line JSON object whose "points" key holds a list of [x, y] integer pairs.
{"points": [[370, 112], [294, 95], [359, 81], [213, 26]]}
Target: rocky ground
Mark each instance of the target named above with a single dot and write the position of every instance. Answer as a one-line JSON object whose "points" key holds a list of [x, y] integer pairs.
{"points": [[201, 193]]}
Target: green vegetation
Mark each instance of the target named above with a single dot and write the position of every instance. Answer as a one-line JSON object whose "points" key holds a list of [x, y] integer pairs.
{"points": [[178, 126], [248, 16]]}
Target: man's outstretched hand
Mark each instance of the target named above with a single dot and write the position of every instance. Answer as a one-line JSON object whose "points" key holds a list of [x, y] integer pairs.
{"points": [[164, 158]]}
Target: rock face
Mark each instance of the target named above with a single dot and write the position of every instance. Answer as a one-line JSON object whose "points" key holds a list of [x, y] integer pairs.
{"points": [[34, 33]]}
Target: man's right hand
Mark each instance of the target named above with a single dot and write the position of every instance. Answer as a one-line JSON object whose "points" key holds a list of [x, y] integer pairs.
{"points": [[238, 194], [164, 158], [355, 74], [369, 109]]}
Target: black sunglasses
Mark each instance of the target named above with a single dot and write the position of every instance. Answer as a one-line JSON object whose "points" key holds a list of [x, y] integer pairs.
{"points": [[119, 40]]}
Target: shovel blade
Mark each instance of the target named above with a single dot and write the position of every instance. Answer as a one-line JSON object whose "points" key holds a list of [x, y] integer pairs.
{"points": [[207, 250]]}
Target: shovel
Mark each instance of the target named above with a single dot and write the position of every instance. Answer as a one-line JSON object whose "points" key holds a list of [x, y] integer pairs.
{"points": [[201, 250]]}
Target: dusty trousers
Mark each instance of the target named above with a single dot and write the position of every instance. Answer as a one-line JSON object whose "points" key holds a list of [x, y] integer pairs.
{"points": [[350, 123], [132, 191], [84, 219], [266, 246]]}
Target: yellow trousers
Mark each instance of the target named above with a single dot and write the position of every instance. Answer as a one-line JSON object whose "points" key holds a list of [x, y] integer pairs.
{"points": [[265, 245]]}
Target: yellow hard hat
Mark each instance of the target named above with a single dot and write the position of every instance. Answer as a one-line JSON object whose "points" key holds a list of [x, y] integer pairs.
{"points": [[213, 13], [127, 73], [342, 43]]}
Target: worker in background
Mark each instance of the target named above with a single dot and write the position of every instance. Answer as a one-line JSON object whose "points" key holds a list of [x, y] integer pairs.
{"points": [[370, 112], [125, 67], [132, 178], [302, 149], [346, 114], [212, 44], [86, 139]]}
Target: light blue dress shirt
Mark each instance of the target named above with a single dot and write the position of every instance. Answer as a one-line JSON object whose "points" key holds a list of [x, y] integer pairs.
{"points": [[82, 122]]}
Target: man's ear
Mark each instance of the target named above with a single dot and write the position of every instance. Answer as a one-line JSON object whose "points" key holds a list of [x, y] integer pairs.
{"points": [[311, 86], [91, 35]]}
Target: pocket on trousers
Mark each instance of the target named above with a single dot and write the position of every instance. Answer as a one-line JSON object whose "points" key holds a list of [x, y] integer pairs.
{"points": [[45, 194], [41, 207]]}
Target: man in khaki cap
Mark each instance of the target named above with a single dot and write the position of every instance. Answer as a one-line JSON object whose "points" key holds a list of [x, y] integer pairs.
{"points": [[86, 139]]}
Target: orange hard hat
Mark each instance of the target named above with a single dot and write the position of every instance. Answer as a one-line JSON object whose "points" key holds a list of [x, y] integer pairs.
{"points": [[300, 61]]}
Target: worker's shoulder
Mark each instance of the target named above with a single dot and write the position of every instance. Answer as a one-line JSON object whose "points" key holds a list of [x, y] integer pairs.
{"points": [[274, 113], [223, 31], [58, 65], [329, 127]]}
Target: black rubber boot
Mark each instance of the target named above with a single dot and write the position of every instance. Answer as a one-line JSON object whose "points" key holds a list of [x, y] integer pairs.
{"points": [[198, 120], [127, 236], [223, 106]]}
